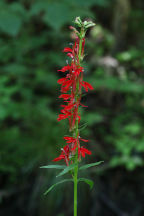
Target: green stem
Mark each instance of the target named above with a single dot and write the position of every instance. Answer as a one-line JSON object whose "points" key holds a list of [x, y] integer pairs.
{"points": [[80, 49], [75, 177], [76, 172], [75, 190]]}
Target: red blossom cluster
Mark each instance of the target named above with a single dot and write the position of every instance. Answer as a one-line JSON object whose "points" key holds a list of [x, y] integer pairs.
{"points": [[71, 90]]}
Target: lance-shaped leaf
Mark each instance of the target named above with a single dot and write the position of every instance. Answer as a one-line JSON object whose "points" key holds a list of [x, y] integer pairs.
{"points": [[90, 165], [67, 169], [87, 181], [54, 167], [54, 185]]}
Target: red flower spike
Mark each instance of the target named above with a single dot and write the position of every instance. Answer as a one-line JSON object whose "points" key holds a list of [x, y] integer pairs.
{"points": [[71, 91], [71, 87]]}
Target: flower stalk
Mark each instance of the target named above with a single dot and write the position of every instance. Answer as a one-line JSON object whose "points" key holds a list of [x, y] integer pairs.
{"points": [[75, 178], [72, 85]]}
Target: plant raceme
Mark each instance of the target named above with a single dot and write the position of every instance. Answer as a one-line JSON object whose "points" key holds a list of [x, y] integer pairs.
{"points": [[72, 85]]}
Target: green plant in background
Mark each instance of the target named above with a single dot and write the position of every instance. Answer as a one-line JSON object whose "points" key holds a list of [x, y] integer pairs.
{"points": [[29, 57], [128, 145]]}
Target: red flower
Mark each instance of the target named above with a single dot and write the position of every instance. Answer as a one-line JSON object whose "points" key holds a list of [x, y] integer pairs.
{"points": [[70, 55], [67, 49], [82, 151], [77, 71], [70, 139], [59, 158], [86, 86], [84, 140], [68, 107], [65, 154], [61, 81], [66, 86], [65, 68], [65, 96], [64, 116]]}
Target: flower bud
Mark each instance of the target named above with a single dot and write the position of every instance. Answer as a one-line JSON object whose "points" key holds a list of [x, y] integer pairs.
{"points": [[88, 24], [78, 21]]}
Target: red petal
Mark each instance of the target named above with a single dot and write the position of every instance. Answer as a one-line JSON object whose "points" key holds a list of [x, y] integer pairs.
{"points": [[69, 107], [89, 85], [69, 139], [84, 140], [62, 80], [66, 149], [67, 83], [85, 151], [65, 68], [59, 158], [70, 55], [84, 85], [67, 49], [79, 118], [62, 116], [83, 105], [65, 96], [83, 154]]}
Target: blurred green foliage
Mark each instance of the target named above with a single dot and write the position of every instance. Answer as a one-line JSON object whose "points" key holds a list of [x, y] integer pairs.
{"points": [[32, 35]]}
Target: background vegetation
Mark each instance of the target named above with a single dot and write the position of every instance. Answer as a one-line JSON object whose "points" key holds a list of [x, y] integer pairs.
{"points": [[32, 35]]}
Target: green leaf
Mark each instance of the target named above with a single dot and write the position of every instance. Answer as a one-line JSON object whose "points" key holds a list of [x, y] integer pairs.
{"points": [[19, 9], [57, 14], [87, 181], [10, 23], [38, 7], [85, 3], [54, 167], [67, 169], [90, 165], [60, 182], [15, 69], [118, 85], [93, 117]]}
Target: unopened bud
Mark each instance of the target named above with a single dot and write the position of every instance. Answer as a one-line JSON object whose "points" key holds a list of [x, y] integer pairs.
{"points": [[78, 21], [88, 24]]}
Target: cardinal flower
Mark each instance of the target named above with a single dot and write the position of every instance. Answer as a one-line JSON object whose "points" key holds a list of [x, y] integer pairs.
{"points": [[71, 93], [72, 86]]}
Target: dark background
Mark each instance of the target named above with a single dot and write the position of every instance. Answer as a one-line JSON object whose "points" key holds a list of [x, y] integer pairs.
{"points": [[32, 36]]}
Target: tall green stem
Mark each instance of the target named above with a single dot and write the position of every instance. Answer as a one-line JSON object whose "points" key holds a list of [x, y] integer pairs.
{"points": [[76, 172], [75, 189], [75, 177]]}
